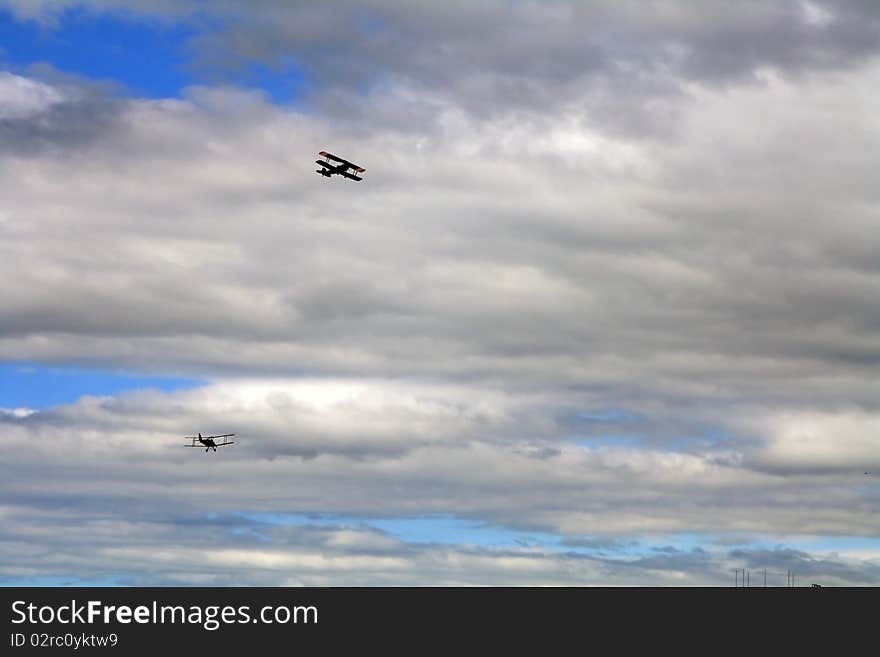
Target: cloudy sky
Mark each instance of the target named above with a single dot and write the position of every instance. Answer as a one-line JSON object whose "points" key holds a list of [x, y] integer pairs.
{"points": [[603, 311]]}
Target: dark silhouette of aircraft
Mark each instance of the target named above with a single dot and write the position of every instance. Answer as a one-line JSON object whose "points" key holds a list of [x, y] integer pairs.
{"points": [[341, 169], [208, 441]]}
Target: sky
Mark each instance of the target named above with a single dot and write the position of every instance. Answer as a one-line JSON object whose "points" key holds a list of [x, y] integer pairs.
{"points": [[602, 311]]}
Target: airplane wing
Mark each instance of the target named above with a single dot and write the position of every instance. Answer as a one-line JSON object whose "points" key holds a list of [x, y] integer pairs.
{"points": [[350, 165], [324, 164], [331, 156], [196, 443], [349, 175], [229, 442], [216, 445]]}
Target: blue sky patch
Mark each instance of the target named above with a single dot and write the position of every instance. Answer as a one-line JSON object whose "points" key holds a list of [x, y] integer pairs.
{"points": [[448, 529], [148, 57], [440, 529], [40, 386], [145, 56]]}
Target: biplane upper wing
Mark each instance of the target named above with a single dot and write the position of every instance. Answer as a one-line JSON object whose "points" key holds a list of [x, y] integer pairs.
{"points": [[350, 165]]}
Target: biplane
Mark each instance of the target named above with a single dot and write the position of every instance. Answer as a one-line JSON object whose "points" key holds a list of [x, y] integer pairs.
{"points": [[327, 169], [208, 441]]}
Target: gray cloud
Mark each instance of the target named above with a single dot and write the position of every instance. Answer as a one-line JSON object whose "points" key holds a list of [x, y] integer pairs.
{"points": [[548, 252], [523, 255], [231, 550], [626, 66], [392, 448], [69, 113], [620, 62]]}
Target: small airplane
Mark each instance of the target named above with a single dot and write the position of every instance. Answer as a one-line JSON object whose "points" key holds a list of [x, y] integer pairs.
{"points": [[342, 168], [208, 441]]}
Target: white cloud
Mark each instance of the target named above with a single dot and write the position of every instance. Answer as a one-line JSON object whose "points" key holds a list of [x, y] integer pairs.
{"points": [[845, 441], [20, 412], [23, 97], [817, 15]]}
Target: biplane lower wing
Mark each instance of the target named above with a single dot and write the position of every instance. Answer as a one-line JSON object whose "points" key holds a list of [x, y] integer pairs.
{"points": [[350, 175], [230, 442]]}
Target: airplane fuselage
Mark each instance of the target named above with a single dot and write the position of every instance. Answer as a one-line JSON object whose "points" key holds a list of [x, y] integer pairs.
{"points": [[337, 169], [209, 442]]}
